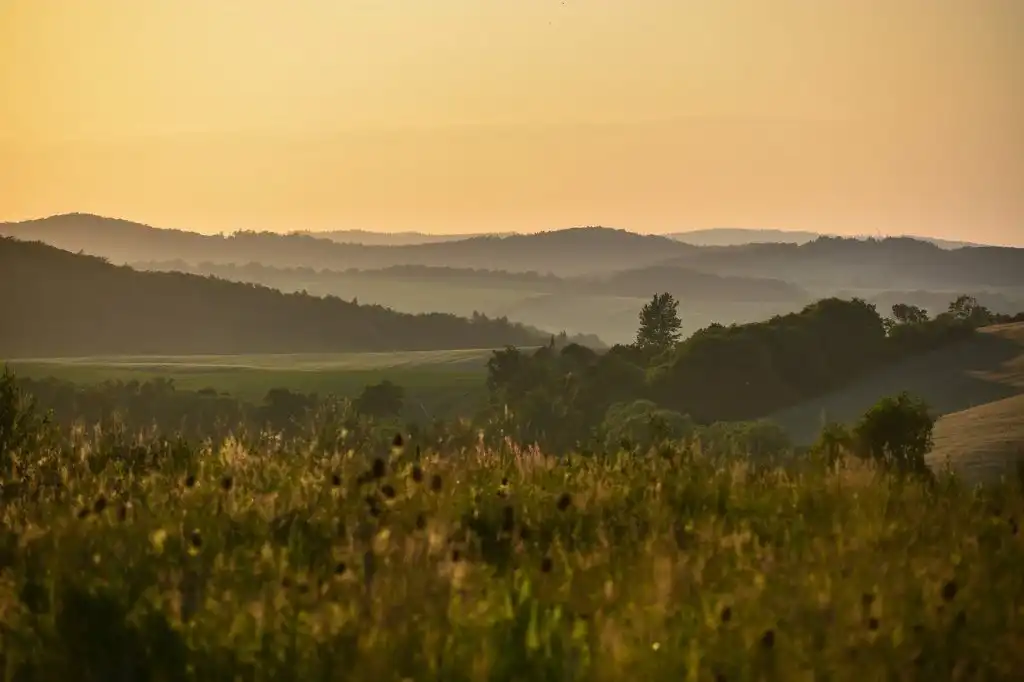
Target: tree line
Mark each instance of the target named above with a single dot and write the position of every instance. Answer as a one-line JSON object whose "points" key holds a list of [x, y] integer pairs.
{"points": [[738, 373], [565, 397]]}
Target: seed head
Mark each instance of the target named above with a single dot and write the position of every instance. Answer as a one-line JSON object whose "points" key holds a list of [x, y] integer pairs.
{"points": [[949, 590]]}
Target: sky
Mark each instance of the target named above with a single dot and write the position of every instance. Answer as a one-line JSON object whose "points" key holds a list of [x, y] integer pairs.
{"points": [[842, 116]]}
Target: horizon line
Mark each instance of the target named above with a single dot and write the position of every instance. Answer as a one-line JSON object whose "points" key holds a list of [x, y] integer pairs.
{"points": [[510, 233]]}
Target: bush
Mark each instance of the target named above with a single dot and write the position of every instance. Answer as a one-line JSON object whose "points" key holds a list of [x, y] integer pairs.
{"points": [[896, 432]]}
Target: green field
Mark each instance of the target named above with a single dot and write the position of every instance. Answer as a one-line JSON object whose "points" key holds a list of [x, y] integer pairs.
{"points": [[437, 383]]}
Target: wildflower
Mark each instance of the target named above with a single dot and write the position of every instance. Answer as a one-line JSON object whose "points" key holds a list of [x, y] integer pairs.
{"points": [[158, 537]]}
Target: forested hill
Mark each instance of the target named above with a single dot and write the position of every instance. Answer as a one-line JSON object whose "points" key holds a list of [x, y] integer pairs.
{"points": [[891, 263], [63, 304], [822, 266], [564, 252]]}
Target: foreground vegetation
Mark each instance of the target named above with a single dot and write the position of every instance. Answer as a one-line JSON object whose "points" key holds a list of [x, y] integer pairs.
{"points": [[337, 555]]}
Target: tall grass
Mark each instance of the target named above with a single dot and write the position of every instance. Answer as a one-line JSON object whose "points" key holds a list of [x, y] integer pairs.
{"points": [[123, 561]]}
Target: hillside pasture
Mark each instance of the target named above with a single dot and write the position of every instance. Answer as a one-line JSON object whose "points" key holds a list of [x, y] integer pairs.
{"points": [[975, 388]]}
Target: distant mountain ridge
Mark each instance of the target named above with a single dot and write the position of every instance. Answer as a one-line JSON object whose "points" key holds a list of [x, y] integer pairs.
{"points": [[890, 263], [718, 236], [368, 238], [824, 263], [573, 251], [732, 236]]}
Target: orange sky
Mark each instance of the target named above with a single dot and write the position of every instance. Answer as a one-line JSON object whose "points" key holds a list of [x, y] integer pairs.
{"points": [[855, 116]]}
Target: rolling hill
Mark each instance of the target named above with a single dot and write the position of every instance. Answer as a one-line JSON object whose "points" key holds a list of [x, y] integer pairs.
{"points": [[831, 263], [976, 388], [565, 252], [65, 304], [729, 236], [823, 266], [369, 238], [605, 305]]}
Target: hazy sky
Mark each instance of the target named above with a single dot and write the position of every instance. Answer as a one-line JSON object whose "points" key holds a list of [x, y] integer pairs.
{"points": [[857, 116]]}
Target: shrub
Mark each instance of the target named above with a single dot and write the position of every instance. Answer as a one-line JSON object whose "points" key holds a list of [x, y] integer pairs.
{"points": [[896, 432]]}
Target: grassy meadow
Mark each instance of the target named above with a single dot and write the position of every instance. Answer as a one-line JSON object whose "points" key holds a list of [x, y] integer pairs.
{"points": [[285, 562], [438, 383]]}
